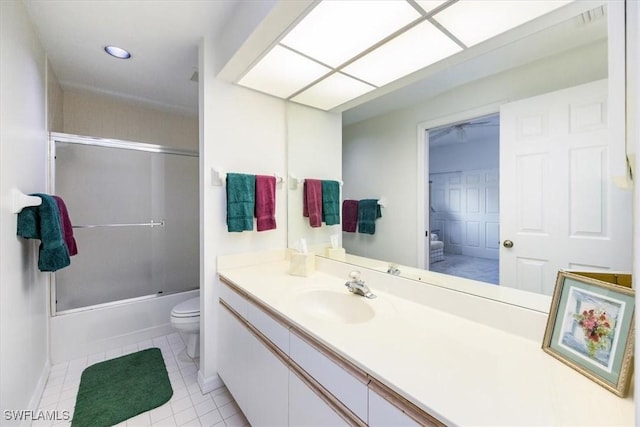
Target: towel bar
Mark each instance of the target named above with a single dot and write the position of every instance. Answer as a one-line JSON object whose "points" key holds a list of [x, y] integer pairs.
{"points": [[218, 178], [143, 224], [294, 182]]}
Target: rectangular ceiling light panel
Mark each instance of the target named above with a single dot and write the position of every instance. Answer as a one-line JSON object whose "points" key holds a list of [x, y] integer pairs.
{"points": [[332, 91], [282, 72], [336, 31], [474, 21], [411, 51], [429, 5]]}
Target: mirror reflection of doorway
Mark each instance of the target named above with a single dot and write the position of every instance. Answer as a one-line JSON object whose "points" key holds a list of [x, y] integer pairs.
{"points": [[464, 199]]}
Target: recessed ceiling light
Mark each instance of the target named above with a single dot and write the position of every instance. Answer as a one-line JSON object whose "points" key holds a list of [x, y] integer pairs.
{"points": [[118, 52]]}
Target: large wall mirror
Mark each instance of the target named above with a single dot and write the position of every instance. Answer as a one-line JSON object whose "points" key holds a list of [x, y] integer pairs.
{"points": [[398, 145]]}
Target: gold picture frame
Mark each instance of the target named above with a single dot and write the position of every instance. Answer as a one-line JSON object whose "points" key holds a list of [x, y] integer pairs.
{"points": [[591, 329]]}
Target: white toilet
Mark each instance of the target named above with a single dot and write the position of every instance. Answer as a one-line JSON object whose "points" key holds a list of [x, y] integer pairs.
{"points": [[185, 317]]}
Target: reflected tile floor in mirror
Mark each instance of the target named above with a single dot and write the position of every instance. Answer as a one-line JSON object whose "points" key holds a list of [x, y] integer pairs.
{"points": [[481, 269], [187, 407]]}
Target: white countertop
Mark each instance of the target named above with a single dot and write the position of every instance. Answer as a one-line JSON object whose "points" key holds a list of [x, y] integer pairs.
{"points": [[462, 372]]}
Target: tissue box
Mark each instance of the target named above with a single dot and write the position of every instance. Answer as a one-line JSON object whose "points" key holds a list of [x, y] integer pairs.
{"points": [[335, 253], [302, 264]]}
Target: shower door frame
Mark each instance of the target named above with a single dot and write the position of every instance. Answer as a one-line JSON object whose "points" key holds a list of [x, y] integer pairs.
{"points": [[51, 185]]}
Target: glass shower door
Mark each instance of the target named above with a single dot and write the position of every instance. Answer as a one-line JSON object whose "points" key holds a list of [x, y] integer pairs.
{"points": [[135, 217]]}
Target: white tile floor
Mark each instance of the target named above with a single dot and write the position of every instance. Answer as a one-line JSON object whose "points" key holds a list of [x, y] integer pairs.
{"points": [[482, 269], [187, 407]]}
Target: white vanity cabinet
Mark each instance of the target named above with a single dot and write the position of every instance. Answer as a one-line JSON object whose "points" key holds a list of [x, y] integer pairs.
{"points": [[345, 386], [232, 357], [306, 408], [277, 333], [268, 387], [400, 359], [255, 375], [384, 414], [279, 375], [268, 393]]}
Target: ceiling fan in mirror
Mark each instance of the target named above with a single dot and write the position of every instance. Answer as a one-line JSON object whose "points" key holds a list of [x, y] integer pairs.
{"points": [[459, 131]]}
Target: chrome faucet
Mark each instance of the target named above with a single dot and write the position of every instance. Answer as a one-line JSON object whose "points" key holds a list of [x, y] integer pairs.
{"points": [[393, 269], [357, 286]]}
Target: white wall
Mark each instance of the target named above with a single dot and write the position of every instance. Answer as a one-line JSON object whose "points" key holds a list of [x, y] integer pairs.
{"points": [[55, 105], [23, 151], [380, 154], [314, 147], [374, 168], [240, 131], [245, 131], [102, 116], [464, 157]]}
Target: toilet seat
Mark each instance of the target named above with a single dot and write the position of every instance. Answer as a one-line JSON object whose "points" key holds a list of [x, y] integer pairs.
{"points": [[188, 308]]}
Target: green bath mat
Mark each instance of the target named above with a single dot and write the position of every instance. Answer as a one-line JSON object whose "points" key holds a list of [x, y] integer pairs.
{"points": [[118, 389]]}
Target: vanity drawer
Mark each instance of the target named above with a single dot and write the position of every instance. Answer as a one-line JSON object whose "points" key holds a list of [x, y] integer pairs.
{"points": [[233, 344], [383, 413], [236, 301], [307, 408], [268, 380], [275, 331], [388, 408], [348, 387]]}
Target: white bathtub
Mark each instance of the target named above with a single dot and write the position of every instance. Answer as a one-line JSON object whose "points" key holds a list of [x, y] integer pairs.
{"points": [[82, 333]]}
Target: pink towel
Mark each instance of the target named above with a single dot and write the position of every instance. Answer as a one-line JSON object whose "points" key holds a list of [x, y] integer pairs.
{"points": [[66, 227], [265, 202], [312, 201], [350, 215]]}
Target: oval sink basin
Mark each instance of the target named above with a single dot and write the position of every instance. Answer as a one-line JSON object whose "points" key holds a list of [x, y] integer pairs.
{"points": [[340, 307]]}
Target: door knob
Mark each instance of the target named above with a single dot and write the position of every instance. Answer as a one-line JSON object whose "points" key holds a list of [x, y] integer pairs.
{"points": [[507, 244]]}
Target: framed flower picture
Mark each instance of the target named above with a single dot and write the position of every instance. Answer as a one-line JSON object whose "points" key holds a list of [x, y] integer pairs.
{"points": [[591, 329]]}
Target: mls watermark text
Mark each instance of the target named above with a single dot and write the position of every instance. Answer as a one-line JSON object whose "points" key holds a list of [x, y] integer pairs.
{"points": [[29, 415]]}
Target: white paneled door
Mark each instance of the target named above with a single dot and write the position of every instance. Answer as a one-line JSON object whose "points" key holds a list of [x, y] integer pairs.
{"points": [[465, 211], [559, 208]]}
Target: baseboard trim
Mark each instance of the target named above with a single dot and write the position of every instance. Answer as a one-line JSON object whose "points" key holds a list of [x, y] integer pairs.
{"points": [[210, 383], [38, 392]]}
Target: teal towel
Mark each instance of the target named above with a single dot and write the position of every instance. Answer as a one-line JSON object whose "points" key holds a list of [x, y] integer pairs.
{"points": [[331, 202], [43, 222], [368, 211], [241, 201]]}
